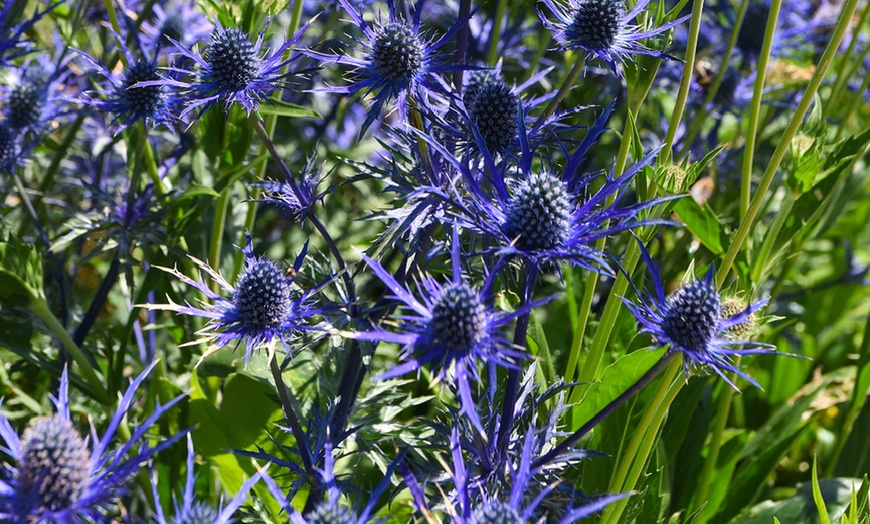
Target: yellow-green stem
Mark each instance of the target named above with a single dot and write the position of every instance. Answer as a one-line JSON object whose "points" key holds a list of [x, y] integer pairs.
{"points": [[755, 108], [781, 149], [40, 309], [686, 81], [633, 459]]}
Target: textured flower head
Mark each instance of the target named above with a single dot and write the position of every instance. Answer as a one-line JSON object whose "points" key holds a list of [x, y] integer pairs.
{"points": [[450, 326], [399, 61], [604, 29], [59, 476], [133, 95], [233, 69], [264, 305], [32, 99], [691, 321], [191, 511], [295, 196], [545, 216]]}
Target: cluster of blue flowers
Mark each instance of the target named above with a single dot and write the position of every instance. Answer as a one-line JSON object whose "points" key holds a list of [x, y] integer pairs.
{"points": [[494, 196]]}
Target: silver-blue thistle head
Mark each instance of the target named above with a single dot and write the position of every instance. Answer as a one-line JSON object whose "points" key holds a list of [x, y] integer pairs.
{"points": [[492, 106], [198, 513], [458, 318], [262, 296], [496, 512], [693, 314], [146, 101], [232, 59], [54, 465], [539, 213], [595, 24], [330, 513], [397, 53]]}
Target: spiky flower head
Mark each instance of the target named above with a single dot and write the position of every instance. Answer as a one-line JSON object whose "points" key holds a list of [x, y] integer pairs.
{"points": [[398, 61], [54, 464], [136, 94], [397, 53], [545, 215], [539, 213], [61, 477], [263, 306], [492, 106], [234, 69], [496, 512], [451, 326], [596, 23], [24, 105], [198, 513], [331, 513], [604, 29], [692, 314], [692, 321]]}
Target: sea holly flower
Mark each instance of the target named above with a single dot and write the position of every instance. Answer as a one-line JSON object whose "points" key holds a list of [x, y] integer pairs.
{"points": [[399, 62], [330, 511], [691, 321], [133, 95], [604, 29], [192, 511], [295, 196], [474, 501], [32, 99], [233, 69], [264, 305], [59, 476], [544, 216], [450, 325]]}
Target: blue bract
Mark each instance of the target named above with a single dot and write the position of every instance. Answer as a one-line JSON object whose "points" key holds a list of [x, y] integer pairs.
{"points": [[400, 61], [58, 477]]}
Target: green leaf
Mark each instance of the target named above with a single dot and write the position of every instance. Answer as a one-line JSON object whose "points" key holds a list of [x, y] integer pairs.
{"points": [[537, 342], [276, 107], [702, 222], [817, 495], [617, 378], [20, 273], [801, 508]]}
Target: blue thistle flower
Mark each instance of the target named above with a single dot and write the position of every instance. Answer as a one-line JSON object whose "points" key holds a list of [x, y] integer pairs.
{"points": [[133, 95], [262, 306], [450, 326], [58, 476], [691, 321], [477, 502], [295, 197], [232, 69], [192, 511], [543, 216], [603, 28], [400, 61], [330, 511], [182, 22]]}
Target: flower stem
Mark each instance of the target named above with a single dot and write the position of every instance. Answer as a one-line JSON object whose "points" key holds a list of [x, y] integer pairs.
{"points": [[755, 108], [686, 81], [776, 159], [290, 414], [567, 84], [99, 300], [633, 390], [633, 460], [513, 383], [495, 34], [40, 309]]}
